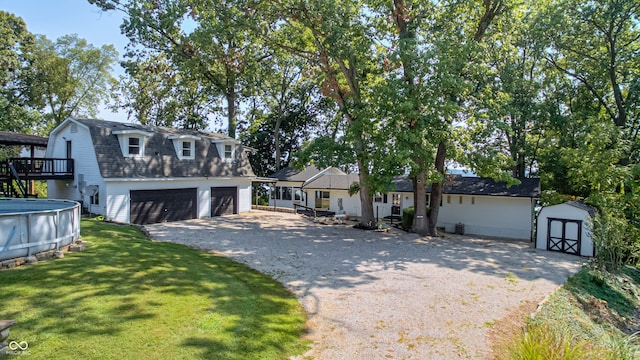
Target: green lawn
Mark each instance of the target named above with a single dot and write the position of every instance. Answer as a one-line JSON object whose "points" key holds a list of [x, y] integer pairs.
{"points": [[128, 297]]}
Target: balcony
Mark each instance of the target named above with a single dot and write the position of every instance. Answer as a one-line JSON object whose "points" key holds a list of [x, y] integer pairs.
{"points": [[38, 169]]}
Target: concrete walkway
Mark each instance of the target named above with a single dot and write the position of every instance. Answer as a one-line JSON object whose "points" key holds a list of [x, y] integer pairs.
{"points": [[393, 295]]}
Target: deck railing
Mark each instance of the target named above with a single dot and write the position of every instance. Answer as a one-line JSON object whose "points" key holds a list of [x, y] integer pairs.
{"points": [[38, 168]]}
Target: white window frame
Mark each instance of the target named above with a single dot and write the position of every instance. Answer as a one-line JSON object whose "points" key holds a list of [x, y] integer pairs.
{"points": [[124, 137], [222, 144], [178, 144]]}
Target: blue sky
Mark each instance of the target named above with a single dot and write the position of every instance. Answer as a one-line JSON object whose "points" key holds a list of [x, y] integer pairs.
{"points": [[55, 18]]}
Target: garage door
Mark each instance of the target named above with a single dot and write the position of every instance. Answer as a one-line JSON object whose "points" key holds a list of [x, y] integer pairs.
{"points": [[153, 206], [224, 201]]}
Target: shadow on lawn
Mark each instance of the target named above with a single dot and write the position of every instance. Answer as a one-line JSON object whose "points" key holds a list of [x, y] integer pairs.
{"points": [[121, 280]]}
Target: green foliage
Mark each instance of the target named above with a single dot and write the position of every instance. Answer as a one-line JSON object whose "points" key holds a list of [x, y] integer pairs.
{"points": [[72, 78], [587, 314], [407, 217], [154, 93], [149, 300], [539, 342], [552, 197], [354, 188], [617, 242], [16, 77]]}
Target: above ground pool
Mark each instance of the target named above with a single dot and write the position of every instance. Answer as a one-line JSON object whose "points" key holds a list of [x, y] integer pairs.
{"points": [[31, 226]]}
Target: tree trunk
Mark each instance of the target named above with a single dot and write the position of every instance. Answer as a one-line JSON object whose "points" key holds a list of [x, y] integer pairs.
{"points": [[366, 200], [231, 114], [420, 219], [436, 190]]}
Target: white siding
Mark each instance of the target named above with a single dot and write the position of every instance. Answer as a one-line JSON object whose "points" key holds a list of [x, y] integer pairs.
{"points": [[85, 165], [381, 209], [350, 204], [118, 200], [565, 211], [287, 203], [498, 216]]}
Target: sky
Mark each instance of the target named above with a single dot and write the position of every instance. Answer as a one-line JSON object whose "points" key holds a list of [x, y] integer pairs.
{"points": [[55, 18]]}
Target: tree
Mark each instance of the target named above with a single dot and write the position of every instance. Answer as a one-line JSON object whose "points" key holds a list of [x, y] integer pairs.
{"points": [[209, 41], [72, 77], [596, 44], [287, 112], [16, 77], [156, 94], [333, 36], [434, 56]]}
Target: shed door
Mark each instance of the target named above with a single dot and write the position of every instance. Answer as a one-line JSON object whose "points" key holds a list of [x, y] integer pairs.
{"points": [[564, 235], [153, 206], [224, 201]]}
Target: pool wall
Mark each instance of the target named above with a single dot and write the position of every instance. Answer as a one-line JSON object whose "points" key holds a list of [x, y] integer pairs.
{"points": [[32, 226]]}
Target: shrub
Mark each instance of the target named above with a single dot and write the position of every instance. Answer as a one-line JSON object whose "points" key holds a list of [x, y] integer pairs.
{"points": [[615, 241], [407, 218]]}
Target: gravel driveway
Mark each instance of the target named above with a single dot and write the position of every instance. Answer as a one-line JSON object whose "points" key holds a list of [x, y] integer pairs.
{"points": [[393, 295]]}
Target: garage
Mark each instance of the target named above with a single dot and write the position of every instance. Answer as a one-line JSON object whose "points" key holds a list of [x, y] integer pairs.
{"points": [[566, 228], [224, 201], [154, 206]]}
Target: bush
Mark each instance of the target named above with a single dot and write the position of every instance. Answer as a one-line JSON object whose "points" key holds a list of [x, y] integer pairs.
{"points": [[615, 240], [407, 218]]}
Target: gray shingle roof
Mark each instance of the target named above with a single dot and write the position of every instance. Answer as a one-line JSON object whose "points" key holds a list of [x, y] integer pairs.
{"points": [[290, 174], [581, 205], [160, 159], [332, 182], [456, 184]]}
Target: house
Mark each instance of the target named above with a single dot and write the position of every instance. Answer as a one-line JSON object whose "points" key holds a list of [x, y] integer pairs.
{"points": [[482, 205], [566, 228], [140, 174], [288, 190]]}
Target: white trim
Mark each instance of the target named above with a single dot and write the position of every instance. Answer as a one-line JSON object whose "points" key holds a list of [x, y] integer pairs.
{"points": [[178, 178], [321, 173], [132, 132], [182, 137], [228, 140]]}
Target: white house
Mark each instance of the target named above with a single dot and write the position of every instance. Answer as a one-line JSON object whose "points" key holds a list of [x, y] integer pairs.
{"points": [[288, 188], [140, 174], [566, 228], [482, 205]]}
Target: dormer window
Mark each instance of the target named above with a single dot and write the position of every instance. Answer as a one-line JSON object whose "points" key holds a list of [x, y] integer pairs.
{"points": [[185, 146], [226, 148], [134, 146], [132, 141]]}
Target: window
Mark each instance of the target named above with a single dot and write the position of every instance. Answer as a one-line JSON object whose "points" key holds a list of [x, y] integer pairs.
{"points": [[228, 151], [69, 152], [134, 146], [395, 199], [286, 193], [377, 198], [460, 200], [448, 199], [186, 149], [278, 192], [473, 200], [95, 198], [297, 194], [322, 199]]}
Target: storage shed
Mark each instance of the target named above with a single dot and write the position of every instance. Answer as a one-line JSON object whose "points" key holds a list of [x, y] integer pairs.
{"points": [[566, 228]]}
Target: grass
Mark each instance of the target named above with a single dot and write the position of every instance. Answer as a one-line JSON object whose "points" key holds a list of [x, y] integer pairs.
{"points": [[585, 319], [128, 297]]}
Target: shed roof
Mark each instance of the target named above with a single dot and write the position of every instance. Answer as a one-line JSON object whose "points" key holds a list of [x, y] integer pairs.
{"points": [[581, 205], [160, 159]]}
